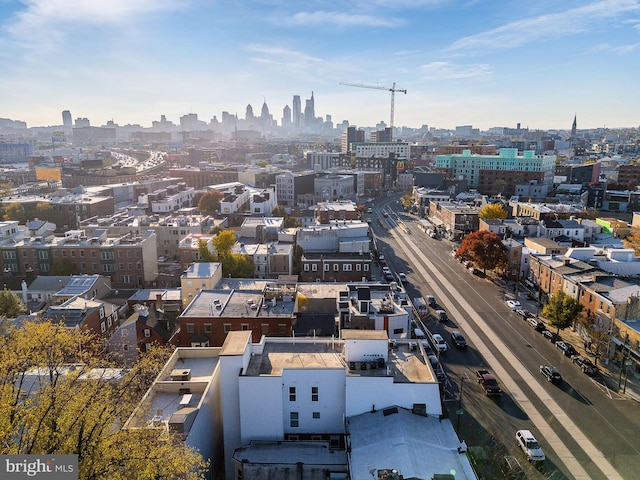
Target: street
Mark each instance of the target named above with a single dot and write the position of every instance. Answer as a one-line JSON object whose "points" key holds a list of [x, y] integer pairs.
{"points": [[585, 429]]}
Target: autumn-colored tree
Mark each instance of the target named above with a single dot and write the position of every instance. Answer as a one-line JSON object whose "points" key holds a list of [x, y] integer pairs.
{"points": [[11, 305], [204, 252], [562, 310], [238, 266], [598, 332], [47, 407], [210, 201], [484, 249], [492, 210], [633, 241], [15, 211], [223, 242]]}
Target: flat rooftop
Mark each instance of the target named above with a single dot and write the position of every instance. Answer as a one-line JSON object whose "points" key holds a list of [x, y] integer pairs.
{"points": [[315, 453], [237, 304], [405, 362]]}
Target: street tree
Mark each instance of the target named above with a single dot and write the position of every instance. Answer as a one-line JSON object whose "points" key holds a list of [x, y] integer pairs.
{"points": [[562, 310], [11, 305], [633, 241], [492, 210], [598, 333], [63, 267], [47, 407], [484, 249], [210, 201]]}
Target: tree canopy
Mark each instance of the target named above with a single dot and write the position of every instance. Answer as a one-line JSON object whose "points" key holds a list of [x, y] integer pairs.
{"points": [[11, 305], [15, 211], [204, 252], [484, 249], [633, 241], [561, 310], [57, 398], [210, 201], [223, 242], [493, 210]]}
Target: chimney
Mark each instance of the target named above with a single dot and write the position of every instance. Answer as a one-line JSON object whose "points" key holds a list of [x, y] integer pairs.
{"points": [[159, 301]]}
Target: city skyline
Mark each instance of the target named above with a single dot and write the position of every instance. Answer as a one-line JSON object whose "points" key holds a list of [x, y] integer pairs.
{"points": [[471, 63]]}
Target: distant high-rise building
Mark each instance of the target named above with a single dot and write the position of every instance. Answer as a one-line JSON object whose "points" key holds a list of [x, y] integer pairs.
{"points": [[82, 122], [66, 119], [286, 116], [309, 112], [351, 135], [249, 113], [297, 111]]}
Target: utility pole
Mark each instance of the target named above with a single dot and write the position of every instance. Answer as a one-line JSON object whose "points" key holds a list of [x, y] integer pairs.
{"points": [[459, 411]]}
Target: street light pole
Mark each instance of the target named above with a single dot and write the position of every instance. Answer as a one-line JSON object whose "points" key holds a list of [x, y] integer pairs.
{"points": [[459, 410]]}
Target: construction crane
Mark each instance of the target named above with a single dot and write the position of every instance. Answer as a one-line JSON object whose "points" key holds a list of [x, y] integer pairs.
{"points": [[393, 91]]}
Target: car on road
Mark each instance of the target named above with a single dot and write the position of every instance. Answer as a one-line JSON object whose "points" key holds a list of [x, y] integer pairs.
{"points": [[385, 214], [441, 315], [513, 304], [567, 349], [437, 368], [552, 336], [369, 210], [458, 340], [431, 300], [550, 373], [402, 277], [440, 342], [488, 382], [529, 445], [523, 313], [585, 364], [389, 277]]}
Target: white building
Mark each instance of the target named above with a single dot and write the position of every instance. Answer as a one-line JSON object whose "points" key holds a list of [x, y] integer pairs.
{"points": [[401, 150], [338, 236]]}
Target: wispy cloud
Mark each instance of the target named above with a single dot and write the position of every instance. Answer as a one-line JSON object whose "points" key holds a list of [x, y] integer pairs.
{"points": [[281, 55], [342, 19], [446, 70], [44, 22], [553, 25], [619, 49]]}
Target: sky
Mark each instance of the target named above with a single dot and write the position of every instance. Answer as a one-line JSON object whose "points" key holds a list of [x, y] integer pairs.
{"points": [[484, 63]]}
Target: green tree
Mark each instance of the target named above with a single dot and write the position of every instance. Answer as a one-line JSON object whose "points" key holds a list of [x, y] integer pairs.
{"points": [[279, 211], [223, 243], [63, 266], [210, 201], [15, 211], [66, 411], [484, 249], [11, 304], [205, 253], [492, 210], [562, 310], [633, 241], [238, 266]]}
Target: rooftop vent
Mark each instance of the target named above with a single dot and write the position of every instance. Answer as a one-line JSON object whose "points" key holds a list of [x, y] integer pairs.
{"points": [[181, 374]]}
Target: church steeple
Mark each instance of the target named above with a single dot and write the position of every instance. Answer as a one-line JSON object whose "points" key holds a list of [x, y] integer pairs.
{"points": [[574, 127]]}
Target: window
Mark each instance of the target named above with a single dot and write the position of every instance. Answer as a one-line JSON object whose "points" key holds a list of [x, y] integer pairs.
{"points": [[346, 267], [314, 267], [109, 321], [314, 394], [43, 255], [316, 415], [293, 419], [245, 327], [306, 267], [190, 328], [282, 329], [366, 267], [292, 394], [227, 327], [103, 327], [264, 328], [326, 267], [358, 267], [147, 332], [336, 267], [207, 328]]}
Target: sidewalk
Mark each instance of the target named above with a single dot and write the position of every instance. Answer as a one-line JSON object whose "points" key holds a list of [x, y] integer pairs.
{"points": [[626, 385]]}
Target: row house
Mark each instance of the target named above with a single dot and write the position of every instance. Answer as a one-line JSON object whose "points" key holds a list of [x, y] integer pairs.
{"points": [[335, 267], [326, 212], [457, 219], [265, 308], [547, 272], [170, 199], [130, 260], [563, 231], [200, 178], [99, 317], [337, 236], [270, 260], [189, 248]]}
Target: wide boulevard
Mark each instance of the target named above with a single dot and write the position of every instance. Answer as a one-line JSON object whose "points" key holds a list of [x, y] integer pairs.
{"points": [[586, 430]]}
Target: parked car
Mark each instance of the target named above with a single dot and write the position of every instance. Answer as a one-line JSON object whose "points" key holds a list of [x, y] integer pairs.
{"points": [[440, 343], [458, 340], [441, 315], [431, 300], [585, 364], [513, 304], [403, 277], [567, 349], [537, 325], [488, 382], [437, 368], [550, 373], [524, 313], [552, 336], [529, 445]]}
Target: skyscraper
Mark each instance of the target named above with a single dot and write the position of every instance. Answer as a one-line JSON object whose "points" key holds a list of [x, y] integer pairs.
{"points": [[286, 116], [66, 119], [309, 112], [297, 111]]}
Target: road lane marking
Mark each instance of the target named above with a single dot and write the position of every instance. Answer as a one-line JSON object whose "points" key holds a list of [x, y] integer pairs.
{"points": [[554, 441]]}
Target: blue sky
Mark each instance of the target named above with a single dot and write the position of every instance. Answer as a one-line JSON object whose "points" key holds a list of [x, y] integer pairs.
{"points": [[477, 62]]}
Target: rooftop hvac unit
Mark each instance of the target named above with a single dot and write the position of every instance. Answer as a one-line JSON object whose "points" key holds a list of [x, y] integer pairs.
{"points": [[181, 374]]}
